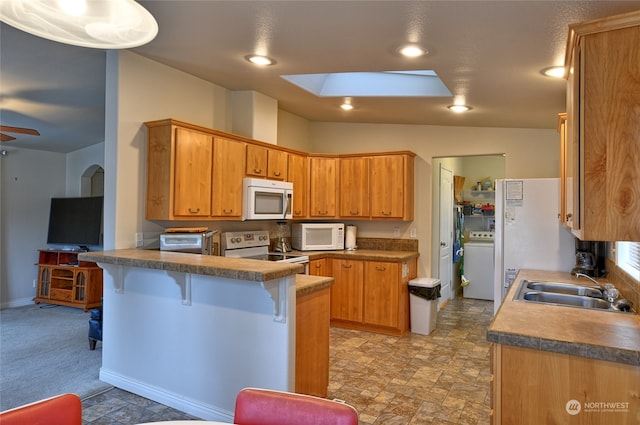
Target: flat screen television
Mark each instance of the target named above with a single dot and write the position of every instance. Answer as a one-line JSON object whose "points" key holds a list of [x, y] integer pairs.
{"points": [[76, 222]]}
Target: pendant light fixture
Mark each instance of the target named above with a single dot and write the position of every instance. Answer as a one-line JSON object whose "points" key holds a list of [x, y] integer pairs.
{"points": [[100, 24]]}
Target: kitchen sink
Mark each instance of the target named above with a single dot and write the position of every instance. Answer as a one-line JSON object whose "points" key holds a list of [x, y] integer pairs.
{"points": [[565, 288], [566, 299], [564, 294]]}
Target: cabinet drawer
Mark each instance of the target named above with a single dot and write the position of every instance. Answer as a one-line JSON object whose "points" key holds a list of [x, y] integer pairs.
{"points": [[61, 294]]}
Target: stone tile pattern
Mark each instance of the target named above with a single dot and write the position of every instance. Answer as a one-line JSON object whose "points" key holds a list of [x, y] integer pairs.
{"points": [[441, 378]]}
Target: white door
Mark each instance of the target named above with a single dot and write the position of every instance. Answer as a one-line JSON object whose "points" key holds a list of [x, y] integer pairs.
{"points": [[446, 233]]}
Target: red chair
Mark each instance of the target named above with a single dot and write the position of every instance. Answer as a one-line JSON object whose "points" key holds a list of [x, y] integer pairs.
{"points": [[64, 409], [267, 407]]}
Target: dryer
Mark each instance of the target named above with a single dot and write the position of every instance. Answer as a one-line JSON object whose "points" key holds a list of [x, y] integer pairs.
{"points": [[478, 265]]}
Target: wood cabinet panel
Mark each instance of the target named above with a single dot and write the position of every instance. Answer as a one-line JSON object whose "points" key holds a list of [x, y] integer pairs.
{"points": [[312, 343], [323, 185], [277, 162], [603, 94], [354, 184], [192, 168], [298, 174], [347, 291], [228, 172], [256, 161], [391, 185], [320, 267], [382, 293], [533, 387]]}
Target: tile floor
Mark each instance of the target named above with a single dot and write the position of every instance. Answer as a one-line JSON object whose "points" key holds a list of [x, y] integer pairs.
{"points": [[442, 378]]}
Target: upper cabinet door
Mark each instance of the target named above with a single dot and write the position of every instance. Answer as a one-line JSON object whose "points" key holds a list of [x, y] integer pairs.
{"points": [[603, 120], [228, 172], [192, 184], [298, 174], [392, 187], [323, 187], [354, 193], [277, 165], [256, 161]]}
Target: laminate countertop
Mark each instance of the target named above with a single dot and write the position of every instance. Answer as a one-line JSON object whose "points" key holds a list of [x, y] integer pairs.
{"points": [[363, 254], [603, 335], [232, 268]]}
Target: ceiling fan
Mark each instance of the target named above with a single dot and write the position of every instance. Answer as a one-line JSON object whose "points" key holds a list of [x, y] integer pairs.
{"points": [[18, 130]]}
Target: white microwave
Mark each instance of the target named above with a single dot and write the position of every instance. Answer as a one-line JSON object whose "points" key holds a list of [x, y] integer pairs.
{"points": [[266, 199], [317, 236]]}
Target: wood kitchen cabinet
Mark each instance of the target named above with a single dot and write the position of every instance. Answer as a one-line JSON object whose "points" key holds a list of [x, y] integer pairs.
{"points": [[265, 162], [371, 295], [320, 267], [228, 172], [323, 186], [312, 342], [347, 291], [391, 182], [298, 174], [179, 163], [354, 185], [532, 387], [603, 127], [565, 214]]}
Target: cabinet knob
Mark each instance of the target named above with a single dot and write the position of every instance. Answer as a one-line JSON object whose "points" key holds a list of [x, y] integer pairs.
{"points": [[385, 213], [322, 212], [194, 211], [318, 266], [227, 211], [297, 212], [354, 212], [257, 170], [381, 268], [276, 173], [569, 215], [347, 266]]}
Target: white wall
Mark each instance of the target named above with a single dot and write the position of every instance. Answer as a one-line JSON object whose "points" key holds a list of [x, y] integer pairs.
{"points": [[77, 164], [529, 153], [139, 90], [28, 181]]}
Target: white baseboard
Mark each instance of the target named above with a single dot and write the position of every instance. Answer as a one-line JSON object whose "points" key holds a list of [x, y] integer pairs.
{"points": [[168, 398]]}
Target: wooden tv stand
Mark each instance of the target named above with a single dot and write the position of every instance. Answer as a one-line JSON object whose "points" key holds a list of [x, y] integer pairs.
{"points": [[63, 280]]}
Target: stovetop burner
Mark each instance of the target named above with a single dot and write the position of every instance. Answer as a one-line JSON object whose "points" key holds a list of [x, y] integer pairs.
{"points": [[255, 245]]}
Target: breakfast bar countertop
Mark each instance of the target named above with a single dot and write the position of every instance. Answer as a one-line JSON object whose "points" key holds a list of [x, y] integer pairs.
{"points": [[603, 335], [208, 265]]}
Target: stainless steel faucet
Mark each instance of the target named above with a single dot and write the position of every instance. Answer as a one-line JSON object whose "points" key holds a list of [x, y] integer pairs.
{"points": [[602, 288]]}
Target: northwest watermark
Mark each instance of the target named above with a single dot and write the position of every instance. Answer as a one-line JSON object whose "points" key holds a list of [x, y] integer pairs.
{"points": [[574, 407]]}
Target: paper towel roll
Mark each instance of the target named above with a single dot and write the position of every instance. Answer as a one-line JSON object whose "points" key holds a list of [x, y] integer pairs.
{"points": [[350, 242]]}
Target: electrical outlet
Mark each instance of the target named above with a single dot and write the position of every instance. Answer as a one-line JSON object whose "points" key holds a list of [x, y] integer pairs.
{"points": [[139, 240], [414, 233], [396, 232]]}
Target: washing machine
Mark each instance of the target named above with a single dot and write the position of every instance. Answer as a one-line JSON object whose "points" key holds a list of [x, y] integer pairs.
{"points": [[478, 265]]}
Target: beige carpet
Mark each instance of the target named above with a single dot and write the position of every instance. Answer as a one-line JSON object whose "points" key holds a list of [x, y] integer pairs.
{"points": [[44, 351]]}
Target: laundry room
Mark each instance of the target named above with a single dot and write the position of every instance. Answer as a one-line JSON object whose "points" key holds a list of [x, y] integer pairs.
{"points": [[474, 222]]}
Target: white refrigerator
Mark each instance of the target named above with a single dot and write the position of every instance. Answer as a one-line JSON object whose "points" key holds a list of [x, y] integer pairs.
{"points": [[528, 234]]}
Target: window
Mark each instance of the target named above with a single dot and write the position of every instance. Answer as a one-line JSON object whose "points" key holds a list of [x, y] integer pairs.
{"points": [[629, 258]]}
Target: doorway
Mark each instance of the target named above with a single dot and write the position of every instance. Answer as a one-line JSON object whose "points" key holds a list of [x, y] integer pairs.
{"points": [[474, 169]]}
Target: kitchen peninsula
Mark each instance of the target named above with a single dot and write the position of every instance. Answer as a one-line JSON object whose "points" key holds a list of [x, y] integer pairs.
{"points": [[190, 331]]}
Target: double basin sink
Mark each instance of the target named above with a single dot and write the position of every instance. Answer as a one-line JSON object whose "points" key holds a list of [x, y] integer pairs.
{"points": [[566, 294]]}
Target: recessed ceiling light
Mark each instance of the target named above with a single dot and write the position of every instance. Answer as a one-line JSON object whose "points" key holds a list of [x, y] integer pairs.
{"points": [[412, 51], [459, 108], [346, 106], [260, 60], [554, 71]]}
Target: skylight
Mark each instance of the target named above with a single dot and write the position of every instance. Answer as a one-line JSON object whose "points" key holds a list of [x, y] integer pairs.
{"points": [[421, 83]]}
